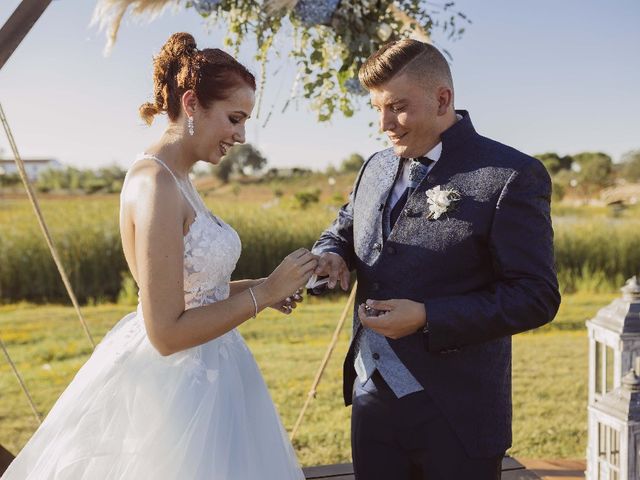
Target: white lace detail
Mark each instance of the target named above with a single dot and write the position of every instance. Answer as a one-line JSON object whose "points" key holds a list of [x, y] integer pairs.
{"points": [[211, 250]]}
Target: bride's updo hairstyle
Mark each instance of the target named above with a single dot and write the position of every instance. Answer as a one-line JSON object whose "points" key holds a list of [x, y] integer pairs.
{"points": [[211, 73]]}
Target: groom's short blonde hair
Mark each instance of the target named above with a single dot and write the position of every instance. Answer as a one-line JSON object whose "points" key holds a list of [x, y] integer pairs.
{"points": [[422, 61]]}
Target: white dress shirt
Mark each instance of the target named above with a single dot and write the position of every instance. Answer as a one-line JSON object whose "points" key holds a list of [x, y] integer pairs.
{"points": [[403, 180]]}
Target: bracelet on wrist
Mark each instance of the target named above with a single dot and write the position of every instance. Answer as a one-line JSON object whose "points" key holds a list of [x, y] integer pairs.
{"points": [[255, 302]]}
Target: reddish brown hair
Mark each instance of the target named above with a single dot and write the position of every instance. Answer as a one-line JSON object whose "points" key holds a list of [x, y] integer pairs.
{"points": [[211, 73], [419, 59]]}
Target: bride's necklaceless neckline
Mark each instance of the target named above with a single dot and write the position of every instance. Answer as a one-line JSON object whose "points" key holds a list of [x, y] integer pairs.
{"points": [[158, 159]]}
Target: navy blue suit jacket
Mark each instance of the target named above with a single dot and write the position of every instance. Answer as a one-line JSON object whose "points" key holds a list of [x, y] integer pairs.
{"points": [[485, 271]]}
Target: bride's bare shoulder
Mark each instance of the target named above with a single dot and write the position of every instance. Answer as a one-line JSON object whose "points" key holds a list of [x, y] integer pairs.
{"points": [[147, 178]]}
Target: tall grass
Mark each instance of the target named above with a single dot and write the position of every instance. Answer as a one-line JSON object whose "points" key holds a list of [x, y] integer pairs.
{"points": [[595, 251], [85, 230], [597, 255], [86, 235]]}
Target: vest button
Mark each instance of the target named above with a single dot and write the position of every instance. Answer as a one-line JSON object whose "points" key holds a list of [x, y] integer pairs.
{"points": [[391, 250], [376, 356], [375, 286]]}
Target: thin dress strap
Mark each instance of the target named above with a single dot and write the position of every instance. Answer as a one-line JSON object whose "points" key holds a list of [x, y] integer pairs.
{"points": [[195, 205]]}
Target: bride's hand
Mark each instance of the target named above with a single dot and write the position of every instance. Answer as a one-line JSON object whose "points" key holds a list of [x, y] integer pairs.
{"points": [[287, 305], [292, 273]]}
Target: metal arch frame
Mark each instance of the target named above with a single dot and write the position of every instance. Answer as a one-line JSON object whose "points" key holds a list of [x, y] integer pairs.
{"points": [[18, 25]]}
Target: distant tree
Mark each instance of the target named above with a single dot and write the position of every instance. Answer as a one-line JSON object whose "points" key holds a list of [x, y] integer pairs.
{"points": [[113, 178], [9, 179], [300, 172], [240, 159], [307, 197], [631, 166], [352, 163], [554, 162], [71, 179], [224, 169], [557, 190], [331, 171], [594, 170], [51, 179]]}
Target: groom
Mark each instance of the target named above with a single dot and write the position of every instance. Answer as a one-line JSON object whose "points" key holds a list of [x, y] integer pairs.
{"points": [[450, 235]]}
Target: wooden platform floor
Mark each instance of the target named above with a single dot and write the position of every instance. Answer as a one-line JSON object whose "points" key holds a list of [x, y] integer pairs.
{"points": [[556, 469], [521, 469], [511, 470]]}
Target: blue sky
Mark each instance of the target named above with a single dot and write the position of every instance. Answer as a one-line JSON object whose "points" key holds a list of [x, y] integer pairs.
{"points": [[559, 75]]}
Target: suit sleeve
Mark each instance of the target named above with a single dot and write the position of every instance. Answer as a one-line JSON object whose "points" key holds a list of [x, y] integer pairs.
{"points": [[338, 238], [525, 293]]}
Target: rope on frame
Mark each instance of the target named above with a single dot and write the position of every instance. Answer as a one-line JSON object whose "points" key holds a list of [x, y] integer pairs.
{"points": [[325, 360], [43, 226]]}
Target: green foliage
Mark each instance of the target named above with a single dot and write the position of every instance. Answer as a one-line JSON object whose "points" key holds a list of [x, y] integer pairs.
{"points": [[85, 230], [8, 180], [338, 199], [224, 169], [594, 251], [86, 233], [631, 166], [597, 254], [554, 163], [307, 197], [329, 56], [331, 171], [594, 170], [352, 163], [557, 190], [128, 294], [73, 180], [241, 159]]}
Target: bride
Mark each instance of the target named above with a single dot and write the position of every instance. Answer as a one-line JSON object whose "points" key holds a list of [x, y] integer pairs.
{"points": [[172, 391]]}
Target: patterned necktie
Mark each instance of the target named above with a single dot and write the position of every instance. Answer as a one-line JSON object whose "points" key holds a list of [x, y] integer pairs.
{"points": [[418, 169]]}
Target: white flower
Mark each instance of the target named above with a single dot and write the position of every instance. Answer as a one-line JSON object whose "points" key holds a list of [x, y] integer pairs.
{"points": [[384, 32], [440, 201]]}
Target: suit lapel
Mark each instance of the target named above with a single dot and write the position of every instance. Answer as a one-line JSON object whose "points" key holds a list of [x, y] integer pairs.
{"points": [[392, 168], [369, 205], [447, 166]]}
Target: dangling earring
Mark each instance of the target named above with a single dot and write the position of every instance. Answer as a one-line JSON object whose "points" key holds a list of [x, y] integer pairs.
{"points": [[190, 125]]}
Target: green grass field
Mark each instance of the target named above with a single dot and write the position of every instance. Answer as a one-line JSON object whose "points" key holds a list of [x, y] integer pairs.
{"points": [[549, 367]]}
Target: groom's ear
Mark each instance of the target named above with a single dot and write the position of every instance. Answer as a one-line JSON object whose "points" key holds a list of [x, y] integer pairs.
{"points": [[189, 102], [445, 99]]}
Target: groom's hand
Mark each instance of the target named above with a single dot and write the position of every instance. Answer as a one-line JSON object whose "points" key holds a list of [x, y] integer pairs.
{"points": [[335, 267], [397, 318]]}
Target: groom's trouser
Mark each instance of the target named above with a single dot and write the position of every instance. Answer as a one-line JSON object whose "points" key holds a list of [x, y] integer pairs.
{"points": [[408, 439]]}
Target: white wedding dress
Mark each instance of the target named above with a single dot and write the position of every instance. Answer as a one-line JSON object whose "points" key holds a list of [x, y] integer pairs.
{"points": [[200, 414]]}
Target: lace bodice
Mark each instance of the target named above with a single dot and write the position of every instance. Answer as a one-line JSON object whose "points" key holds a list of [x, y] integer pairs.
{"points": [[211, 250]]}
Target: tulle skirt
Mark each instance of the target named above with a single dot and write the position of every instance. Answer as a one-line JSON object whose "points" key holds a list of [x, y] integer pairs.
{"points": [[130, 413]]}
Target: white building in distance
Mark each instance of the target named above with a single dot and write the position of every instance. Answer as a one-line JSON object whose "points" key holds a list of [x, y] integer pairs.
{"points": [[34, 166]]}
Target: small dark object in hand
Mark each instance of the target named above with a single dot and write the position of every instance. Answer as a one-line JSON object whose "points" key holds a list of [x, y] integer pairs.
{"points": [[372, 312]]}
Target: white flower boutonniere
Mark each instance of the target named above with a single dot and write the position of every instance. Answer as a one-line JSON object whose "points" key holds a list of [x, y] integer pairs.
{"points": [[440, 201]]}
